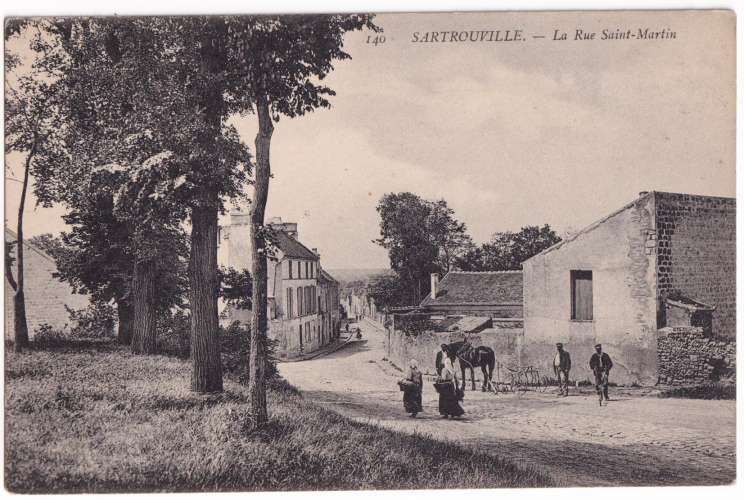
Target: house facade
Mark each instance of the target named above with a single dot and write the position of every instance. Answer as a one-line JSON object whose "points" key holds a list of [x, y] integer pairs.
{"points": [[297, 291], [47, 299], [623, 278], [329, 307]]}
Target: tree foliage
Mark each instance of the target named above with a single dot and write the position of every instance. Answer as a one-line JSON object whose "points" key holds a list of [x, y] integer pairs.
{"points": [[388, 291], [507, 250], [421, 237], [236, 287], [281, 62]]}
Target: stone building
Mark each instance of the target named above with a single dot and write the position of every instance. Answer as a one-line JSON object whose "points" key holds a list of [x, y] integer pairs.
{"points": [[662, 260], [296, 289], [495, 294], [47, 298]]}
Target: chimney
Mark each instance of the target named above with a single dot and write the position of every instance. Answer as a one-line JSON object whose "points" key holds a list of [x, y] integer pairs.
{"points": [[434, 285], [643, 193], [315, 251]]}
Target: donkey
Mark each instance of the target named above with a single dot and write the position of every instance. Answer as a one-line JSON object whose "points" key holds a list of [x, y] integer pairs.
{"points": [[471, 357]]}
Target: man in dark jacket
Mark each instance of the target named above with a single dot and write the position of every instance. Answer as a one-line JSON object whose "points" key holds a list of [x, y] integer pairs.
{"points": [[561, 366], [600, 363]]}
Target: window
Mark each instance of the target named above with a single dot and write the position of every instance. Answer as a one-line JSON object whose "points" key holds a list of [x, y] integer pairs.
{"points": [[290, 268], [581, 296], [299, 274], [289, 302], [300, 311], [307, 275]]}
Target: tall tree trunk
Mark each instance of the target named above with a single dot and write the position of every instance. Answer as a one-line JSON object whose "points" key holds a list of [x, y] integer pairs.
{"points": [[206, 374], [125, 313], [143, 300], [19, 299], [206, 362], [257, 362]]}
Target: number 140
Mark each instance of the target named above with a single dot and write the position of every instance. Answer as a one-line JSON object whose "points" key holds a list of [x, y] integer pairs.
{"points": [[377, 39]]}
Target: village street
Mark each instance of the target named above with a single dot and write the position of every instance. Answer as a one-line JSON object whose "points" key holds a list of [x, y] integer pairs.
{"points": [[635, 440]]}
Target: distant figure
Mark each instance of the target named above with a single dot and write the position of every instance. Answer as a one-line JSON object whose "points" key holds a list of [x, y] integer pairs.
{"points": [[439, 362], [347, 327], [446, 385], [411, 386], [600, 363], [561, 366]]}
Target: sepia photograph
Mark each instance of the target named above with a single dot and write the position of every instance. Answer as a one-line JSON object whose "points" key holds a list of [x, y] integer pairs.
{"points": [[369, 251]]}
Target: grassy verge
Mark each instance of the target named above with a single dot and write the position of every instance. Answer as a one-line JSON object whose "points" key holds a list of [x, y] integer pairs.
{"points": [[706, 391], [94, 418]]}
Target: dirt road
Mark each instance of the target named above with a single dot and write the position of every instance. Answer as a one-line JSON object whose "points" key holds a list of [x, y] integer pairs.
{"points": [[631, 441]]}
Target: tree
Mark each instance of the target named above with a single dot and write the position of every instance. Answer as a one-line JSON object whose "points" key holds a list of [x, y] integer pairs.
{"points": [[236, 287], [29, 127], [107, 160], [388, 291], [449, 235], [283, 58], [405, 233], [148, 98], [422, 237], [48, 243], [507, 250]]}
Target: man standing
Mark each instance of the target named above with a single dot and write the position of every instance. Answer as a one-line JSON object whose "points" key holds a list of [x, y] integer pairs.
{"points": [[561, 366], [600, 363], [439, 363]]}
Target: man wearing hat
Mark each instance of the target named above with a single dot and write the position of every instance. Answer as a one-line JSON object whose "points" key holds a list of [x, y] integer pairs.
{"points": [[439, 362], [600, 363], [561, 366]]}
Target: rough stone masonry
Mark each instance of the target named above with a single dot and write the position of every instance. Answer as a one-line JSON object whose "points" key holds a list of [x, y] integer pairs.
{"points": [[688, 356]]}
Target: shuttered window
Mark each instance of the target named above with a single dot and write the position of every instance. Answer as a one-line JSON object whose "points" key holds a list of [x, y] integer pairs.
{"points": [[581, 296], [290, 268], [300, 310], [289, 303]]}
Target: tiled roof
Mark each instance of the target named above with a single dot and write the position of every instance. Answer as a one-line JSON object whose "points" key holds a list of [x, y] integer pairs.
{"points": [[475, 288], [689, 304], [290, 247], [464, 324]]}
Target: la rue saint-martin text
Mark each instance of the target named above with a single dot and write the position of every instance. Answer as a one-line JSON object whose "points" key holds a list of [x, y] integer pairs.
{"points": [[557, 35]]}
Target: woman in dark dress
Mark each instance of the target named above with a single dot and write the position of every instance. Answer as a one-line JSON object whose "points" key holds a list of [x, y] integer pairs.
{"points": [[411, 386], [447, 387]]}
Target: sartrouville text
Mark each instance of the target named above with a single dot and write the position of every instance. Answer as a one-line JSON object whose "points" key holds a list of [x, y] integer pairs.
{"points": [[468, 36]]}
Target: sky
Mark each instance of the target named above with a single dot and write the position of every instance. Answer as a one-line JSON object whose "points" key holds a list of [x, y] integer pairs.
{"points": [[508, 133]]}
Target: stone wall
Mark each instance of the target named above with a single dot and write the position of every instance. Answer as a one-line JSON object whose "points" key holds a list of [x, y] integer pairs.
{"points": [[688, 356], [696, 254], [504, 340]]}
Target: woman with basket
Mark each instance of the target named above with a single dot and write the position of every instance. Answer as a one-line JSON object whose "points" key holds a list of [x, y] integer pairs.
{"points": [[411, 387], [449, 392]]}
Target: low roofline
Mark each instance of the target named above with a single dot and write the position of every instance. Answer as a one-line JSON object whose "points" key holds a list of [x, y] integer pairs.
{"points": [[428, 300], [31, 246], [592, 226]]}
